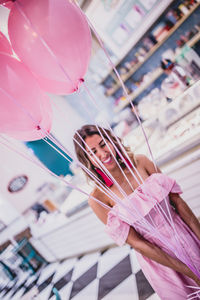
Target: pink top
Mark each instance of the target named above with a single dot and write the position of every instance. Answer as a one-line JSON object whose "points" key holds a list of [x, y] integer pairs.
{"points": [[153, 190], [168, 283]]}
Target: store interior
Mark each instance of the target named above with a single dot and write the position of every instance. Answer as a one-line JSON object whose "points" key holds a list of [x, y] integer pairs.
{"points": [[52, 246]]}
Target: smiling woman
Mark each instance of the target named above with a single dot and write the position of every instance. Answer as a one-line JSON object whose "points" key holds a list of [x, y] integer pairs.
{"points": [[98, 141], [143, 209]]}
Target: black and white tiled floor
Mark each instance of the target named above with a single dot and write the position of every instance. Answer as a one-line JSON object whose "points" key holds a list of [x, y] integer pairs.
{"points": [[112, 274]]}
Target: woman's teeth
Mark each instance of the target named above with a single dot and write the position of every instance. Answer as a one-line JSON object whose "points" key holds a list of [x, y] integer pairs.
{"points": [[107, 161]]}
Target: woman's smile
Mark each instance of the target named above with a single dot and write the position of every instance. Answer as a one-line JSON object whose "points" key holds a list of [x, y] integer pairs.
{"points": [[102, 150], [108, 160]]}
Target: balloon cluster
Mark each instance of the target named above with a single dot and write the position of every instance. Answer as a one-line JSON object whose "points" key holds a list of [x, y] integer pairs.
{"points": [[52, 40]]}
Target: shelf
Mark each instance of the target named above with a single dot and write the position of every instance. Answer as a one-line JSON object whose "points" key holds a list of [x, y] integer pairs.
{"points": [[139, 90], [194, 40], [155, 75], [151, 16], [111, 91]]}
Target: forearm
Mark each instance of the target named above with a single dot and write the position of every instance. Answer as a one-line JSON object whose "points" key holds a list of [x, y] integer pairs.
{"points": [[158, 255], [188, 217]]}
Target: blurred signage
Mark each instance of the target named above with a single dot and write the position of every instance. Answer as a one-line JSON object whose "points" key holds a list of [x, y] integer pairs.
{"points": [[17, 183]]}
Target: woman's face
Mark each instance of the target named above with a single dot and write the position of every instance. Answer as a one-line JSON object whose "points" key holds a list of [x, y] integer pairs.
{"points": [[101, 150]]}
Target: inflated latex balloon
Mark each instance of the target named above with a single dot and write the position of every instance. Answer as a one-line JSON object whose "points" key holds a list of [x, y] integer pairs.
{"points": [[25, 112], [53, 39], [5, 46], [7, 3], [4, 1]]}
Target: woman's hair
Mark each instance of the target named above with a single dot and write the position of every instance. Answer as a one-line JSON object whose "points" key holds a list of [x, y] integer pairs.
{"points": [[90, 130]]}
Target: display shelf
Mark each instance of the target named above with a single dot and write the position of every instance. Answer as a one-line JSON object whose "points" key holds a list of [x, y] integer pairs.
{"points": [[155, 75], [188, 107], [153, 13], [194, 40], [181, 104], [112, 90], [139, 90], [185, 105]]}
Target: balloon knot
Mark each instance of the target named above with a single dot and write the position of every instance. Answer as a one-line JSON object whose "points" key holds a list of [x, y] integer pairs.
{"points": [[38, 127], [82, 80]]}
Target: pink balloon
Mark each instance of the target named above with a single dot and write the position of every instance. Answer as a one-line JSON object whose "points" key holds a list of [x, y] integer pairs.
{"points": [[4, 1], [53, 39], [25, 112], [8, 4], [5, 46]]}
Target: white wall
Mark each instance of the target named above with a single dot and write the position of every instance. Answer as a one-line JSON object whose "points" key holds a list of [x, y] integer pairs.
{"points": [[12, 165], [11, 218], [65, 121], [6, 207]]}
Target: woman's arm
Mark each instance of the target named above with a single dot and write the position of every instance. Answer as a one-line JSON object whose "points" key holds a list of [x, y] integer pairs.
{"points": [[144, 247], [155, 253], [185, 213], [182, 208]]}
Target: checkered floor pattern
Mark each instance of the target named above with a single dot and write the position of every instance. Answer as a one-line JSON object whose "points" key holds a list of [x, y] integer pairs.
{"points": [[111, 274]]}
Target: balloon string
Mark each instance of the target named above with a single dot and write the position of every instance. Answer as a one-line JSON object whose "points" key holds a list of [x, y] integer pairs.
{"points": [[159, 208], [124, 89], [142, 220], [195, 294], [138, 214], [90, 149], [104, 205], [104, 189], [96, 159], [116, 149], [77, 161], [91, 97], [113, 155], [117, 200], [39, 164], [100, 165]]}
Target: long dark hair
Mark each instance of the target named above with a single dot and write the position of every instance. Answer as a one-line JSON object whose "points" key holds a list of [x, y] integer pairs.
{"points": [[90, 130]]}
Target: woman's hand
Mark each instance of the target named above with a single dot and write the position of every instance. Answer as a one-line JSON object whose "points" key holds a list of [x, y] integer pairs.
{"points": [[155, 253]]}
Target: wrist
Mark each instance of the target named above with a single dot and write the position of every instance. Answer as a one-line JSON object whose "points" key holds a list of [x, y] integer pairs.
{"points": [[190, 274]]}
